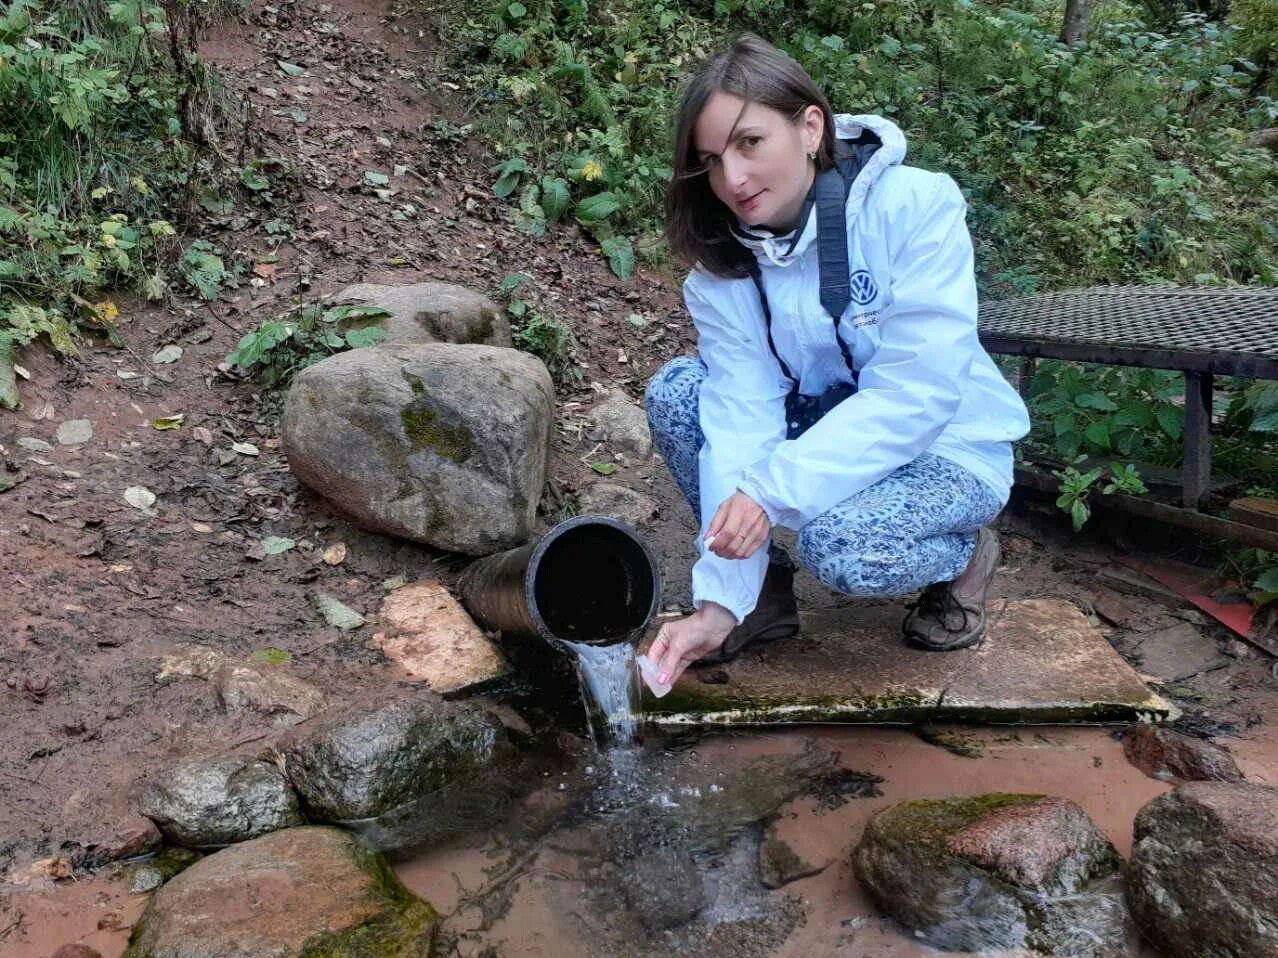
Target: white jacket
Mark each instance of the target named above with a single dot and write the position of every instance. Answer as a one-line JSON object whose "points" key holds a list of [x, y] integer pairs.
{"points": [[925, 382]]}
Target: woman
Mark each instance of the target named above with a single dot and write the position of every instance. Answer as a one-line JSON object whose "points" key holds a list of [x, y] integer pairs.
{"points": [[886, 444]]}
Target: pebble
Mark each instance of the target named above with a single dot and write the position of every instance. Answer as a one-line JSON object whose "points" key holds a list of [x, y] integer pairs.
{"points": [[73, 432]]}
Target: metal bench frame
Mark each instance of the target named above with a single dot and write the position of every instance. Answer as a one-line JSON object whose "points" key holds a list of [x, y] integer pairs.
{"points": [[1200, 332]]}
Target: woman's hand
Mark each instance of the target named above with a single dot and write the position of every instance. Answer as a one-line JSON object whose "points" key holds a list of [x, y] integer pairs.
{"points": [[739, 528], [683, 641]]}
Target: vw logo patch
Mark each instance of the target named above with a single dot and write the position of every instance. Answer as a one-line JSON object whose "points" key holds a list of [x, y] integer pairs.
{"points": [[863, 288]]}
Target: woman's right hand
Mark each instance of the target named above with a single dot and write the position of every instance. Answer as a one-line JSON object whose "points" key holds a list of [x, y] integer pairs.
{"points": [[684, 641]]}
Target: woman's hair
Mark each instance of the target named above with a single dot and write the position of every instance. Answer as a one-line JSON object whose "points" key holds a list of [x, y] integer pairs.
{"points": [[698, 225]]}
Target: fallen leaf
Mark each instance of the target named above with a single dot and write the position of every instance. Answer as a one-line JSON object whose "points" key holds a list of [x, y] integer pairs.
{"points": [[202, 434], [122, 567], [265, 270], [270, 656], [201, 527], [337, 613], [292, 69], [270, 546], [245, 448], [393, 583], [335, 554], [375, 179], [604, 468], [75, 431], [169, 354], [34, 445], [169, 422], [139, 497], [126, 374]]}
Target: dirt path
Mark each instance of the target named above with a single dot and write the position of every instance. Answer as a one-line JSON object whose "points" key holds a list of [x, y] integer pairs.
{"points": [[99, 591]]}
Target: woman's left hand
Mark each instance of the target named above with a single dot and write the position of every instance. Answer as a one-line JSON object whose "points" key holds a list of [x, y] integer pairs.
{"points": [[739, 528]]}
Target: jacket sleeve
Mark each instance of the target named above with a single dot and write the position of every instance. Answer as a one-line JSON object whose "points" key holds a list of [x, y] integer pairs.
{"points": [[742, 415], [910, 388]]}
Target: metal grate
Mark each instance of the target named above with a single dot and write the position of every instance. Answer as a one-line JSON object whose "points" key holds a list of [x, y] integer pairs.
{"points": [[1212, 330]]}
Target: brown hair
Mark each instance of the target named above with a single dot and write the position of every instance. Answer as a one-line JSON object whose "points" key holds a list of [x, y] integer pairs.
{"points": [[698, 225]]}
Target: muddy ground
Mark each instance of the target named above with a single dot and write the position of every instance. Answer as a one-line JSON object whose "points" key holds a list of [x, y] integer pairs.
{"points": [[98, 591]]}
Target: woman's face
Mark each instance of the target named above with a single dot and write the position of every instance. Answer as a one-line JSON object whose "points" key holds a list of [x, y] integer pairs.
{"points": [[757, 160]]}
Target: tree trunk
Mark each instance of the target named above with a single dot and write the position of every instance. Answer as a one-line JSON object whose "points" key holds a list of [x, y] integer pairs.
{"points": [[1265, 138], [1078, 17]]}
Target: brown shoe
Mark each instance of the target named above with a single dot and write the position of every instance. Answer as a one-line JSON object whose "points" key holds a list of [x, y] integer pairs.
{"points": [[775, 616], [951, 615]]}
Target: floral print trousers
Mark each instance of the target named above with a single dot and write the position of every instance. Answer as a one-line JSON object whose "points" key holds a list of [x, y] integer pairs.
{"points": [[910, 529]]}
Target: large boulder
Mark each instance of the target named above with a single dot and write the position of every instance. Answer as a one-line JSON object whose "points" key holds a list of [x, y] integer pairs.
{"points": [[996, 871], [445, 445], [432, 313], [413, 752], [303, 891], [1203, 879], [210, 804]]}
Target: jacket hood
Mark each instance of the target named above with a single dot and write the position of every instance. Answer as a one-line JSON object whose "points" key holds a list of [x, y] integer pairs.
{"points": [[781, 249]]}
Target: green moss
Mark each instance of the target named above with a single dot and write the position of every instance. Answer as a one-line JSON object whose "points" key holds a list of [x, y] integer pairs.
{"points": [[415, 383], [404, 927], [930, 821], [424, 430]]}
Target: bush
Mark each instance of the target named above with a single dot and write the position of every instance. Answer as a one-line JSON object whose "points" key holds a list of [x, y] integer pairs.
{"points": [[97, 145]]}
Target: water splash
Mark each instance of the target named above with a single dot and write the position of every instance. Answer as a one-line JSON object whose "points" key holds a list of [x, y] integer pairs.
{"points": [[609, 684]]}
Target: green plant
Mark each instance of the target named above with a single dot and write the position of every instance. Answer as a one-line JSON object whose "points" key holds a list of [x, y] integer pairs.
{"points": [[545, 336], [1076, 488], [285, 344]]}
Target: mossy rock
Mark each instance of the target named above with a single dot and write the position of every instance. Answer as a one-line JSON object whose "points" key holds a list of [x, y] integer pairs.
{"points": [[298, 893], [994, 871]]}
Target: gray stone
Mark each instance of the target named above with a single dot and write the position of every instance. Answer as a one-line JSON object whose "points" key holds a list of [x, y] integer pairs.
{"points": [[32, 444], [441, 444], [624, 427], [664, 890], [992, 871], [207, 804], [779, 864], [1177, 652], [1041, 662], [73, 432], [309, 891], [1203, 879], [431, 313], [368, 763], [336, 612], [267, 689], [620, 502], [1168, 755], [189, 661]]}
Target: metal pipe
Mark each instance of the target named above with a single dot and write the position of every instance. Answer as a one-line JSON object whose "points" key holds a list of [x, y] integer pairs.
{"points": [[590, 580]]}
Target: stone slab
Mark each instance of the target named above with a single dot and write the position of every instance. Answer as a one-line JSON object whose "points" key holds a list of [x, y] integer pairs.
{"points": [[427, 633], [1042, 662]]}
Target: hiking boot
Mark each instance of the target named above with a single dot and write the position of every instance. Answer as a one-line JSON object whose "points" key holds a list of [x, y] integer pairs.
{"points": [[775, 616], [951, 615]]}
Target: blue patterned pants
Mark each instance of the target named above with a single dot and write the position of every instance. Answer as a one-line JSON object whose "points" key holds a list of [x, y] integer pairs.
{"points": [[915, 527]]}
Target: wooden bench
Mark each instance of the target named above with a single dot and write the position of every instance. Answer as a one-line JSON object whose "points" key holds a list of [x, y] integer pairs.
{"points": [[1200, 332]]}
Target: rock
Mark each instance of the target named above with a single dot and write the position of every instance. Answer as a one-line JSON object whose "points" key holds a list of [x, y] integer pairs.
{"points": [[132, 837], [1111, 607], [32, 444], [664, 890], [195, 661], [1167, 755], [969, 874], [336, 612], [1203, 878], [441, 444], [367, 763], [309, 891], [429, 635], [1178, 652], [77, 951], [618, 501], [779, 864], [431, 313], [271, 690], [74, 432], [624, 427], [203, 804]]}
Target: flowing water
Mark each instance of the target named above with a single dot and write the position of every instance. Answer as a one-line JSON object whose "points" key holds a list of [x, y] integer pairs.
{"points": [[609, 682]]}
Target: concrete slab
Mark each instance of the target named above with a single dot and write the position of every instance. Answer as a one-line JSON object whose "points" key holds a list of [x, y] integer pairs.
{"points": [[1042, 662]]}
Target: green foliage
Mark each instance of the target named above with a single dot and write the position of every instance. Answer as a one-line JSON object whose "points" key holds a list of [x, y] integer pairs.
{"points": [[285, 344], [1077, 487], [1120, 160], [93, 157], [548, 338]]}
